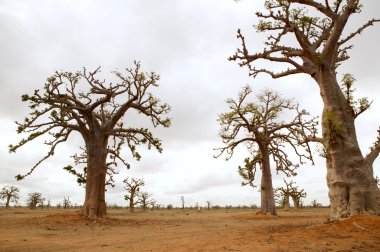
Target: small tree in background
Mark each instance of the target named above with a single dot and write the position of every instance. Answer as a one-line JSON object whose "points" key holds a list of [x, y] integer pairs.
{"points": [[153, 204], [144, 199], [297, 194], [132, 186], [66, 203], [208, 205], [35, 199], [48, 204], [290, 190], [283, 195], [183, 201], [315, 204], [9, 194], [258, 125]]}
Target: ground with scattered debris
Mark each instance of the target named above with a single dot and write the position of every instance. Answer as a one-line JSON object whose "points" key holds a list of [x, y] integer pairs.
{"points": [[177, 230]]}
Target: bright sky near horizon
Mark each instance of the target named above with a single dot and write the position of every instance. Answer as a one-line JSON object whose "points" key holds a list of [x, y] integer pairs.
{"points": [[187, 43]]}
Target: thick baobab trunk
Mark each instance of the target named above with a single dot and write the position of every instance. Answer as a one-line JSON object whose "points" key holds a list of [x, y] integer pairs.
{"points": [[131, 204], [8, 200], [296, 202], [352, 187], [95, 205], [286, 202], [267, 194]]}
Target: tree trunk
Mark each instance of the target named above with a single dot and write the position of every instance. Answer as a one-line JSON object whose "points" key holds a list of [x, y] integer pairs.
{"points": [[352, 186], [95, 205], [8, 200], [296, 202], [286, 202], [131, 203], [267, 195]]}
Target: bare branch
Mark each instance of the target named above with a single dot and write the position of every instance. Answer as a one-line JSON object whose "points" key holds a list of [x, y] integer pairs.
{"points": [[375, 150]]}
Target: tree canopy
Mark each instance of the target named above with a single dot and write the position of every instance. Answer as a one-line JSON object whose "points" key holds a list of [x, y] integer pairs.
{"points": [[253, 123], [77, 102], [82, 102]]}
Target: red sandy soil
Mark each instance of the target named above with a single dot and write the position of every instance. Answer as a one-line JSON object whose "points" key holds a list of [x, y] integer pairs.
{"points": [[176, 230]]}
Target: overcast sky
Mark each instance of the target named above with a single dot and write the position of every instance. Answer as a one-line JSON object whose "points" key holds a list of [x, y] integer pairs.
{"points": [[187, 43]]}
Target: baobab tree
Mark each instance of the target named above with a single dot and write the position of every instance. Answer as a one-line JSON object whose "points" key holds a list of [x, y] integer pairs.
{"points": [[321, 44], [82, 102], [132, 186], [258, 125], [297, 195], [290, 190], [9, 194], [144, 199], [283, 194], [153, 204], [34, 199], [208, 205], [183, 201], [66, 203]]}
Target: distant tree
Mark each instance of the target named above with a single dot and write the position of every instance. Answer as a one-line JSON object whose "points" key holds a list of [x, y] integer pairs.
{"points": [[59, 205], [310, 37], [153, 204], [169, 207], [208, 205], [132, 186], [297, 194], [144, 199], [66, 203], [283, 195], [183, 201], [84, 103], [35, 199], [197, 207], [48, 204], [258, 125], [315, 204], [9, 194]]}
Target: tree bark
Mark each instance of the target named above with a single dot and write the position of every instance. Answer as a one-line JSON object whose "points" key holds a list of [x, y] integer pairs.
{"points": [[131, 202], [296, 202], [8, 200], [95, 205], [267, 194], [352, 186], [286, 202]]}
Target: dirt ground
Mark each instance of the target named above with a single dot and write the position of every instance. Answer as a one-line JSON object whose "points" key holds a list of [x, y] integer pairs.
{"points": [[176, 230]]}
